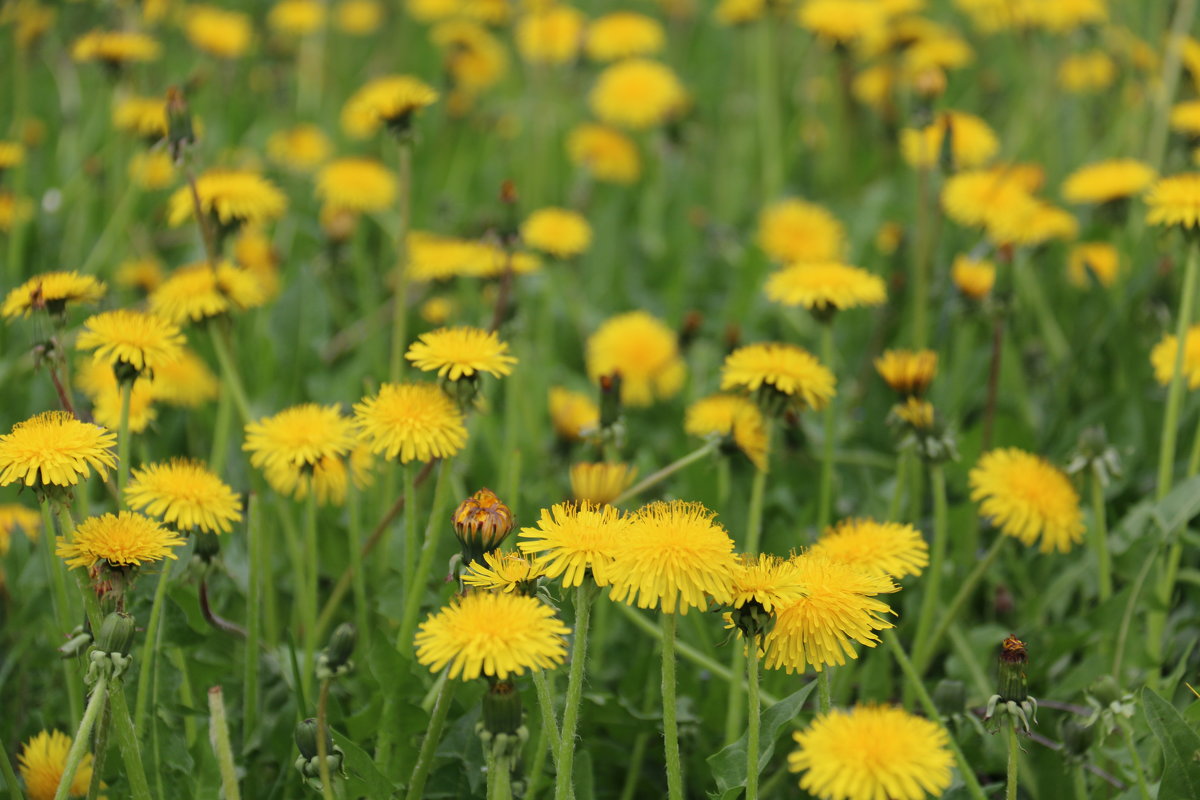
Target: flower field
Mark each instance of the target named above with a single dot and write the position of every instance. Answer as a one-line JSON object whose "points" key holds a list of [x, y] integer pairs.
{"points": [[546, 399]]}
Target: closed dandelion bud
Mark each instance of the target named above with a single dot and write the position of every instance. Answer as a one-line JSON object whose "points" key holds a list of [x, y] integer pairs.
{"points": [[125, 372], [502, 708], [481, 523], [116, 634], [334, 660], [306, 739], [950, 697], [1077, 738], [1014, 684], [610, 400], [1106, 690], [208, 547], [180, 133]]}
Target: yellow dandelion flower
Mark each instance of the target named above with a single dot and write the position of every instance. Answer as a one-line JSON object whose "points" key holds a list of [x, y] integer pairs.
{"points": [[1093, 260], [730, 415], [431, 10], [638, 94], [55, 448], [362, 185], [738, 12], [358, 17], [52, 291], [916, 412], [42, 761], [391, 100], [973, 277], [185, 381], [550, 35], [184, 494], [785, 368], [1064, 16], [503, 572], [939, 51], [303, 449], [875, 87], [1175, 201], [839, 607], [115, 47], [606, 153], [1106, 181], [120, 540], [1030, 224], [197, 292], [973, 197], [1084, 73], [623, 34], [572, 538], [217, 31], [461, 352], [97, 380], [1185, 117], [823, 287], [297, 17], [30, 21], [891, 548], [437, 309], [144, 116], [13, 516], [491, 12], [843, 22], [254, 252], [793, 230], [766, 581], [302, 148], [411, 421], [557, 231], [475, 59], [643, 351], [233, 196], [152, 170], [1027, 498], [972, 142], [13, 210], [573, 414], [11, 154], [600, 483], [1163, 356], [675, 555], [493, 634], [907, 372], [489, 260], [872, 752], [889, 237], [138, 339]]}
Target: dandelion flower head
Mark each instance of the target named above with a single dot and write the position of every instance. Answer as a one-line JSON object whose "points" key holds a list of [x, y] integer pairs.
{"points": [[360, 185], [731, 415], [302, 148], [550, 35], [42, 761], [297, 17], [461, 352], [637, 93], [196, 292], [1164, 354], [55, 448], [1027, 498], [643, 350], [504, 572], [907, 372], [792, 231], [623, 34], [973, 277], [571, 539], [390, 100], [573, 414], [411, 421], [1175, 201], [972, 141], [822, 287], [52, 291], [139, 339], [606, 153], [785, 368], [601, 482], [233, 196], [217, 31], [892, 548], [302, 449], [1093, 260], [560, 232], [115, 47], [120, 540], [1106, 181], [767, 581], [184, 494]]}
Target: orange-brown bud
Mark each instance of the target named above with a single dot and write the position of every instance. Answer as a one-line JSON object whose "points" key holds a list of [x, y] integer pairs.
{"points": [[481, 523]]}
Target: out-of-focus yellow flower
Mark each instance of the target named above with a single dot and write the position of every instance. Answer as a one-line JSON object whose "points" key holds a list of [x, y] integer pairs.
{"points": [[115, 47], [1082, 73], [889, 238], [52, 291], [31, 19], [11, 154], [1175, 201], [197, 292], [152, 170], [600, 483], [1093, 260], [733, 416], [623, 34], [738, 12], [1163, 356], [974, 278], [432, 10], [560, 232], [1064, 16], [1185, 117], [573, 414], [1106, 181], [217, 31], [792, 231], [233, 196], [843, 22], [392, 100], [972, 142], [550, 35], [302, 148], [643, 351], [358, 17], [783, 368], [475, 58], [42, 761], [973, 197], [297, 17], [437, 309], [362, 185], [606, 153], [145, 274], [637, 93], [1030, 224], [827, 286], [907, 372]]}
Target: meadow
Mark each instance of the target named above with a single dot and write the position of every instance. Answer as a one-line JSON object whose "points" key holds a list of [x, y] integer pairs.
{"points": [[523, 398]]}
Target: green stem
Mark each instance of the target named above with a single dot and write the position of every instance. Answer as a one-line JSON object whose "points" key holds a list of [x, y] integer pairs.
{"points": [[670, 723], [99, 752], [322, 765], [10, 777], [220, 442], [123, 442], [894, 505], [1100, 537], [752, 728], [437, 721], [311, 575], [412, 601], [410, 525], [1194, 459], [1079, 783], [62, 605], [563, 788], [768, 108], [127, 742], [1136, 758], [354, 513], [91, 604], [933, 588], [150, 646], [1166, 458], [1127, 617], [1010, 790], [254, 594], [824, 696], [1033, 293], [229, 372], [667, 471], [400, 289], [549, 725], [825, 498], [499, 775], [913, 676], [219, 736], [1184, 13], [79, 745], [965, 590], [920, 283]]}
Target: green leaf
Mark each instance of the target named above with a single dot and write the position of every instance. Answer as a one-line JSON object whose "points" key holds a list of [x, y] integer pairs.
{"points": [[729, 765], [364, 777], [1180, 745]]}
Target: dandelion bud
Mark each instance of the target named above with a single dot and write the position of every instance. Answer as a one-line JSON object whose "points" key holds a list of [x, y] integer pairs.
{"points": [[306, 739], [208, 547], [1077, 738], [116, 634], [481, 523], [502, 708], [1014, 683], [334, 660], [180, 133], [950, 697], [693, 323], [610, 400]]}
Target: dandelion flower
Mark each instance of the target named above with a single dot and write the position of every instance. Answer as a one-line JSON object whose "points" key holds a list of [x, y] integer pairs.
{"points": [[13, 516], [843, 22], [1175, 201], [1093, 260], [503, 572], [972, 197], [891, 548], [1163, 356], [785, 368], [643, 351], [218, 32], [185, 381], [623, 34], [1030, 223], [392, 100], [197, 292], [572, 538], [55, 448], [52, 291], [233, 196], [411, 421], [972, 142], [115, 47], [606, 153], [120, 540], [793, 230], [475, 59], [152, 171], [766, 581], [675, 555], [461, 352], [361, 185], [136, 339], [42, 761], [839, 607], [11, 154], [1106, 181], [98, 381], [358, 17], [917, 413], [302, 148], [185, 494], [557, 231], [637, 93], [550, 35], [492, 634], [973, 277], [297, 17], [907, 372], [600, 483], [733, 416], [1064, 16], [1027, 498], [738, 12], [13, 209], [823, 287], [573, 414], [871, 753], [1185, 117], [1084, 73], [144, 116], [303, 448]]}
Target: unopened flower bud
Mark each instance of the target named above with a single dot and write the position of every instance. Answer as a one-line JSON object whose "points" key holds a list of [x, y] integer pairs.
{"points": [[1077, 737], [481, 523], [502, 708], [306, 739], [180, 133], [116, 634], [1014, 683]]}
